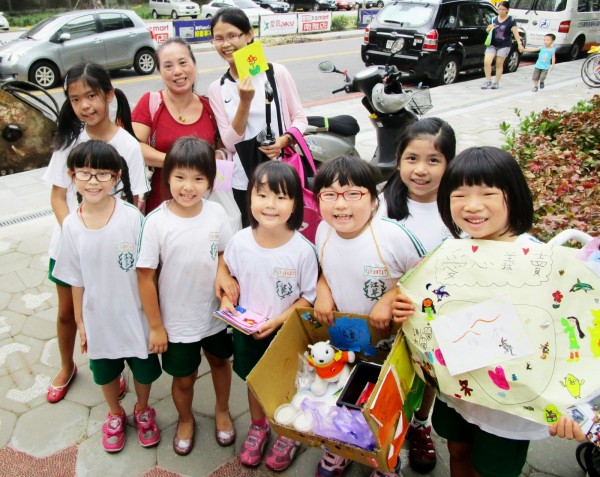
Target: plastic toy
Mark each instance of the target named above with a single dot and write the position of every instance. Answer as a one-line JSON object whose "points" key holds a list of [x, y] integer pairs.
{"points": [[330, 365]]}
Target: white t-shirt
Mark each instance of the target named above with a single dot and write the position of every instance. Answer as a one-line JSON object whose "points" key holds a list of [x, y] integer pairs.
{"points": [[494, 421], [103, 263], [360, 270], [56, 173], [423, 220], [272, 279], [187, 250]]}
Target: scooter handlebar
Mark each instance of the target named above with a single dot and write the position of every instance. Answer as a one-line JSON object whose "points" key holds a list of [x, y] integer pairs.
{"points": [[338, 90]]}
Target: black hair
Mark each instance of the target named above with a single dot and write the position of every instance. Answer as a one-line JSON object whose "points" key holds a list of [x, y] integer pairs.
{"points": [[551, 35], [101, 155], [97, 78], [189, 152], [281, 178], [348, 170], [441, 133], [493, 167], [177, 41], [579, 331], [234, 16], [504, 4]]}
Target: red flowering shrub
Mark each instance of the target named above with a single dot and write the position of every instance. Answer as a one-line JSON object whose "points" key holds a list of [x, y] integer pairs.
{"points": [[559, 152]]}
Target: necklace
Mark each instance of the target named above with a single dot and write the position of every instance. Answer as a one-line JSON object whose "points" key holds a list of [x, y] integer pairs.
{"points": [[181, 118], [80, 213]]}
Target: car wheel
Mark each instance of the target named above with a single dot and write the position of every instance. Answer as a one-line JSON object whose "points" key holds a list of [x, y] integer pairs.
{"points": [[144, 62], [511, 63], [174, 15], [575, 50], [154, 14], [448, 71], [315, 7], [379, 4], [194, 16], [44, 74], [208, 15]]}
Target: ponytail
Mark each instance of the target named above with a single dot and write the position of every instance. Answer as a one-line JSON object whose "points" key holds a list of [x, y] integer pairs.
{"points": [[123, 116], [69, 127], [126, 191]]}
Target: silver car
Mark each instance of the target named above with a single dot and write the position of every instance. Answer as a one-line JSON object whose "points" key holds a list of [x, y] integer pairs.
{"points": [[3, 22], [116, 39]]}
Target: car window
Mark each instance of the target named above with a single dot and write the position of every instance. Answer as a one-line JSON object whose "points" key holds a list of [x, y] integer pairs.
{"points": [[488, 14], [245, 4], [115, 21], [541, 5], [406, 14], [80, 27], [42, 30], [448, 17], [468, 15]]}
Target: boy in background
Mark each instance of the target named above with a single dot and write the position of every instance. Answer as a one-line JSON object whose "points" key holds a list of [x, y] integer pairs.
{"points": [[545, 62]]}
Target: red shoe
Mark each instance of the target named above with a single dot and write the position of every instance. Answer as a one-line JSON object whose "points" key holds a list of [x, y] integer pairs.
{"points": [[421, 455], [282, 454], [113, 432], [253, 448], [148, 432], [57, 393]]}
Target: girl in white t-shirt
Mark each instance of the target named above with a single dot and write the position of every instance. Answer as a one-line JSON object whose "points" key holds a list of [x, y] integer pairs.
{"points": [[184, 238], [84, 116], [485, 196], [276, 268], [97, 255], [381, 251]]}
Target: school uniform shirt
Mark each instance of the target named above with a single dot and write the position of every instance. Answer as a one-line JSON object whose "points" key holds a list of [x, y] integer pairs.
{"points": [[493, 421], [103, 263], [360, 270], [225, 99], [272, 279], [423, 220], [56, 173], [187, 250]]}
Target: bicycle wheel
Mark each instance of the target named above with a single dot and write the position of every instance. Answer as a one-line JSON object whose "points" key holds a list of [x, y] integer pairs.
{"points": [[592, 462], [590, 71], [580, 453]]}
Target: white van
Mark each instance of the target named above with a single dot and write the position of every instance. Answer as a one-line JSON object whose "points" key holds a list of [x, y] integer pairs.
{"points": [[174, 8], [576, 23]]}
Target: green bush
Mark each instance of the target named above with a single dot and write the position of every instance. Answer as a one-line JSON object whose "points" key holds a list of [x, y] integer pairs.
{"points": [[343, 22], [559, 152]]}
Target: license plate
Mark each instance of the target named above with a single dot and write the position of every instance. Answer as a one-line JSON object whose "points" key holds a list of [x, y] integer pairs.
{"points": [[388, 44]]}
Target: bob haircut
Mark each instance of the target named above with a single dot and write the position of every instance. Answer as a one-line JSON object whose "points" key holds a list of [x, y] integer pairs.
{"points": [[281, 178], [234, 16], [492, 167], [189, 152], [504, 4], [348, 170], [444, 141], [177, 41]]}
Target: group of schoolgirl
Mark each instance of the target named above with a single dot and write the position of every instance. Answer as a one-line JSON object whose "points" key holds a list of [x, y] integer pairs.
{"points": [[135, 289]]}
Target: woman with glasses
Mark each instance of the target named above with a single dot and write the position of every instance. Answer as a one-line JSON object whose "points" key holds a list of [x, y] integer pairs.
{"points": [[239, 105], [503, 26], [162, 117]]}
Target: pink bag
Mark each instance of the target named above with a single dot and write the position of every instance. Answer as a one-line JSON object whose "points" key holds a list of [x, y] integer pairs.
{"points": [[305, 166]]}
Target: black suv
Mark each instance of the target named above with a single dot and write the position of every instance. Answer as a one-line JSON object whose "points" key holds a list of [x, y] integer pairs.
{"points": [[437, 40], [314, 5]]}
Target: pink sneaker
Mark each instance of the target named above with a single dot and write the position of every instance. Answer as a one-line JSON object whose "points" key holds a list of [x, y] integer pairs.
{"points": [[113, 432], [253, 448], [332, 465], [421, 454], [122, 388], [282, 453], [148, 432]]}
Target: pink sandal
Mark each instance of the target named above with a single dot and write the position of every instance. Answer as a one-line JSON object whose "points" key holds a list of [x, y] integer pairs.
{"points": [[58, 393], [113, 432]]}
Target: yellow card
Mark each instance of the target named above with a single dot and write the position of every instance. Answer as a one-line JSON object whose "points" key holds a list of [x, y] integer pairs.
{"points": [[250, 60]]}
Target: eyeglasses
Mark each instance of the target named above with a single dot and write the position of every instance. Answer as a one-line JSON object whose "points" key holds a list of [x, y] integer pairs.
{"points": [[100, 176], [349, 195], [231, 38]]}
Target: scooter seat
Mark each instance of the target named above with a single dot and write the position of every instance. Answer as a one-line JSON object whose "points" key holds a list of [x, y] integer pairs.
{"points": [[344, 125]]}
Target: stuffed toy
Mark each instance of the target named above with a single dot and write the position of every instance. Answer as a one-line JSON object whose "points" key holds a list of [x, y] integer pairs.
{"points": [[330, 365]]}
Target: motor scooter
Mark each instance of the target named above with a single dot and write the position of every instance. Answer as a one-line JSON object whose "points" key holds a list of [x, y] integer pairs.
{"points": [[391, 108]]}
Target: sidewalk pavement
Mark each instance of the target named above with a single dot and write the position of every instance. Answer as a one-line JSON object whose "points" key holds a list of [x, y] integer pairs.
{"points": [[37, 438]]}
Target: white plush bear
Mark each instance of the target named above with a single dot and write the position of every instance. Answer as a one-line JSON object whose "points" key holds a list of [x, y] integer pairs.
{"points": [[330, 365]]}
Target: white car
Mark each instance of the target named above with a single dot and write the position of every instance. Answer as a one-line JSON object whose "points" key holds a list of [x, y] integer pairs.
{"points": [[173, 8], [3, 22], [251, 9]]}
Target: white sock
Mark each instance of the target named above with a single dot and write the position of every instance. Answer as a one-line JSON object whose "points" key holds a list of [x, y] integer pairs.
{"points": [[416, 422]]}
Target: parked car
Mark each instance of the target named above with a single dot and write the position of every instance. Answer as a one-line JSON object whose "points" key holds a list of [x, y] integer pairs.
{"points": [[251, 9], [346, 5], [314, 5], [376, 3], [3, 22], [174, 8], [436, 40], [274, 5], [115, 39]]}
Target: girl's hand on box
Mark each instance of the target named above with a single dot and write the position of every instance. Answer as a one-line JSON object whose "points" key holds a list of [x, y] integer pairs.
{"points": [[267, 329], [402, 308], [567, 428], [324, 304], [381, 313]]}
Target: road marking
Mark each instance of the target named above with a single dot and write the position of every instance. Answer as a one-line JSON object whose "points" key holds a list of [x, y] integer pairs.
{"points": [[12, 348], [4, 326], [38, 388], [33, 301]]}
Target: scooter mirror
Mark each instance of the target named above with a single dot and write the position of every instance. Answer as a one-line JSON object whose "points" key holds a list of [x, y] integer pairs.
{"points": [[326, 67]]}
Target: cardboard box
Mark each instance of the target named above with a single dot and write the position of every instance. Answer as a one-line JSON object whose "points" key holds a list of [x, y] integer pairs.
{"points": [[388, 410]]}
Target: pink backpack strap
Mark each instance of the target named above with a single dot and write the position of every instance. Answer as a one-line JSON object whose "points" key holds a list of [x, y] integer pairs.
{"points": [[299, 138], [154, 102]]}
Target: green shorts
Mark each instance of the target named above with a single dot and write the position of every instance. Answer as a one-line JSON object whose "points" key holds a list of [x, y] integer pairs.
{"points": [[51, 266], [182, 359], [247, 352], [145, 371], [492, 456]]}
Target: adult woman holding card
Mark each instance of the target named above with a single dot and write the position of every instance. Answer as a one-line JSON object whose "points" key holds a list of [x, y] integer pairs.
{"points": [[239, 104], [160, 118]]}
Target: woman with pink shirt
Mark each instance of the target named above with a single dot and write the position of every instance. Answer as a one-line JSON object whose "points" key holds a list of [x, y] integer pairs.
{"points": [[239, 106]]}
